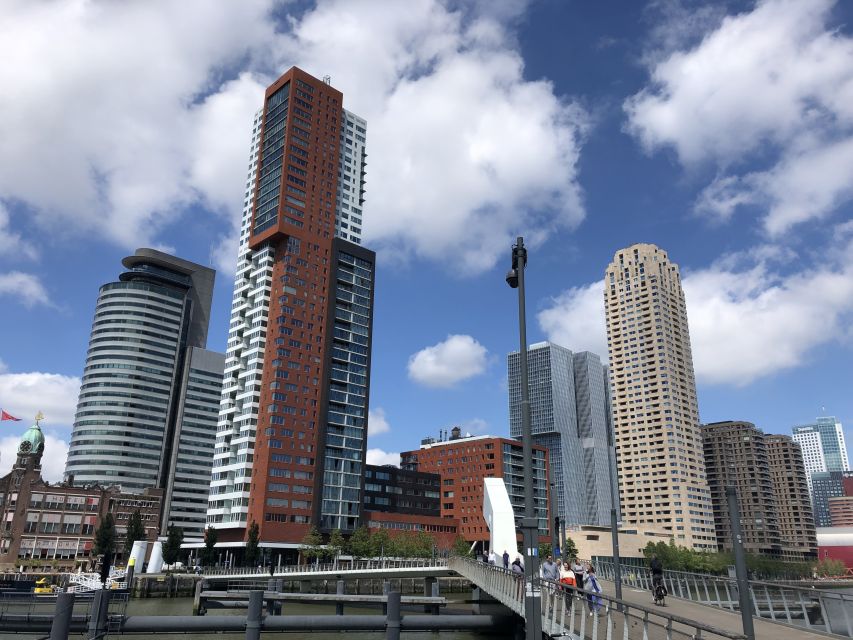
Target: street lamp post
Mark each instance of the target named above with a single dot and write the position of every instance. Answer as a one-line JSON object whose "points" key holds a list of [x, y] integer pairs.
{"points": [[614, 524], [529, 523]]}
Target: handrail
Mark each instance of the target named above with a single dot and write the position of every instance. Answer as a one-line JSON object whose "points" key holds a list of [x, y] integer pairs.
{"points": [[330, 567], [564, 607]]}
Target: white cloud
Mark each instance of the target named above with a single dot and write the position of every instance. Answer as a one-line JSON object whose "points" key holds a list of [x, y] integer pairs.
{"points": [[55, 395], [377, 423], [444, 364], [773, 86], [463, 151], [575, 319], [52, 462], [475, 426], [380, 457], [117, 116], [13, 245], [748, 319], [26, 287]]}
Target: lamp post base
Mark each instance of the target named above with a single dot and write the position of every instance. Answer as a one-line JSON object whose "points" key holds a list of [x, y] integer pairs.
{"points": [[532, 598]]}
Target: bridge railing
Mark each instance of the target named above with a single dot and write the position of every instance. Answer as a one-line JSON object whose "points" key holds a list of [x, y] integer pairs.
{"points": [[581, 614], [815, 609], [328, 567]]}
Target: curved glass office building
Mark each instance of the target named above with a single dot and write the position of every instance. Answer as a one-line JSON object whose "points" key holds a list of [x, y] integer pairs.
{"points": [[130, 397]]}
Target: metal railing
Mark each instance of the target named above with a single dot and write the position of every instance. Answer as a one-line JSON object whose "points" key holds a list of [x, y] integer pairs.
{"points": [[581, 614], [814, 609], [331, 567]]}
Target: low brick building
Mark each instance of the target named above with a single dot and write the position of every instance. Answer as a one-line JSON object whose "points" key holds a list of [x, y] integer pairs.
{"points": [[54, 524]]}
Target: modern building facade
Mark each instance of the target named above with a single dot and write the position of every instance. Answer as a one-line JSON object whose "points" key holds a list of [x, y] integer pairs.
{"points": [[793, 503], [655, 413], [186, 479], [128, 419], [394, 490], [463, 463], [736, 455], [570, 416], [292, 435], [841, 511], [823, 446], [56, 523], [825, 485]]}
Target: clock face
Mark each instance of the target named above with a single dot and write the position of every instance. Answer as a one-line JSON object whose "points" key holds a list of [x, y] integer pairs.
{"points": [[25, 446]]}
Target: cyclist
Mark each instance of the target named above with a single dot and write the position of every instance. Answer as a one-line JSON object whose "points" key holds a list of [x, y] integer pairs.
{"points": [[658, 588]]}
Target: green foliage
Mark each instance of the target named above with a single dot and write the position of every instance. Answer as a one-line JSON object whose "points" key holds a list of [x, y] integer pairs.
{"points": [[461, 547], [544, 550], [571, 549], [135, 530], [105, 536], [675, 558], [829, 568], [360, 545], [172, 546], [312, 545], [208, 555], [380, 544], [336, 543], [251, 554]]}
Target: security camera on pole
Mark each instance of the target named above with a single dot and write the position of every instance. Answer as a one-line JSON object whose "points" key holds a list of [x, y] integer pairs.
{"points": [[529, 523]]}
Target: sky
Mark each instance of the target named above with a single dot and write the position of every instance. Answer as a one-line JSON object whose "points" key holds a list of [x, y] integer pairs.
{"points": [[720, 131]]}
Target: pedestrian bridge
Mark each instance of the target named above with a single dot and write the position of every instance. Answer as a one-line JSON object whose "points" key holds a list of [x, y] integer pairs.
{"points": [[566, 614], [356, 570]]}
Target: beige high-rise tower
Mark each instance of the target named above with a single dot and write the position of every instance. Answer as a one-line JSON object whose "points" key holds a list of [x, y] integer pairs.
{"points": [[662, 481]]}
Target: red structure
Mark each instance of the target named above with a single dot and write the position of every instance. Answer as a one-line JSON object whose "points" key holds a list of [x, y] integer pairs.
{"points": [[835, 543], [463, 463]]}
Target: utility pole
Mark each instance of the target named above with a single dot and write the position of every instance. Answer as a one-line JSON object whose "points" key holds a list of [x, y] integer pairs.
{"points": [[740, 564], [529, 523]]}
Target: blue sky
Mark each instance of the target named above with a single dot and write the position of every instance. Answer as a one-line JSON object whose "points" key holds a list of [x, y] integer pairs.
{"points": [[723, 132]]}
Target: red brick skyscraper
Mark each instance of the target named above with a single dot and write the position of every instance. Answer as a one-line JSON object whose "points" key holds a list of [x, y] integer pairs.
{"points": [[292, 432]]}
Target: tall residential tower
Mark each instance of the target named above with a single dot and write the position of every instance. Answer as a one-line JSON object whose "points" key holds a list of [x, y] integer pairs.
{"points": [[292, 432], [656, 418]]}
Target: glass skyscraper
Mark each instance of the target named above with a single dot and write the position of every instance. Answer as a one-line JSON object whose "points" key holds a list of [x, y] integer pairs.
{"points": [[823, 447], [570, 416]]}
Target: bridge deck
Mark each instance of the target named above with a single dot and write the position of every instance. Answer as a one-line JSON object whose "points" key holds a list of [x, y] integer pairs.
{"points": [[712, 616]]}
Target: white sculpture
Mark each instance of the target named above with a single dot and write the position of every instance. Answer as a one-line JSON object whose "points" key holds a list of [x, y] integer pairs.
{"points": [[500, 518], [155, 563], [137, 554]]}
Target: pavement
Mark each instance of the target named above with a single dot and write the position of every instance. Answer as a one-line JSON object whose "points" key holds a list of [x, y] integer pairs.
{"points": [[713, 617]]}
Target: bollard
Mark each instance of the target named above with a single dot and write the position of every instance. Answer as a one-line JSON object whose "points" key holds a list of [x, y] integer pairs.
{"points": [[198, 602], [386, 589], [435, 594], [254, 615], [428, 583], [273, 605], [98, 614], [392, 624], [60, 627], [475, 600], [339, 605]]}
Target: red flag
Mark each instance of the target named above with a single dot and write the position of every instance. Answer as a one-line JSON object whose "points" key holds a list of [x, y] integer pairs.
{"points": [[7, 416]]}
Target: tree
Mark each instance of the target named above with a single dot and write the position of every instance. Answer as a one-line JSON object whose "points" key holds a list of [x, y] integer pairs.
{"points": [[105, 536], [172, 546], [461, 547], [312, 545], [360, 545], [380, 544], [544, 549], [570, 550], [251, 554], [830, 568], [336, 543], [211, 535], [135, 531]]}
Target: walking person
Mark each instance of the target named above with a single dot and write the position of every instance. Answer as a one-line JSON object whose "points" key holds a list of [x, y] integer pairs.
{"points": [[593, 589], [506, 559], [577, 569], [550, 570], [493, 558]]}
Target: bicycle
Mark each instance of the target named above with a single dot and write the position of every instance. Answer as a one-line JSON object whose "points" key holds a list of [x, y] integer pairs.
{"points": [[659, 592]]}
